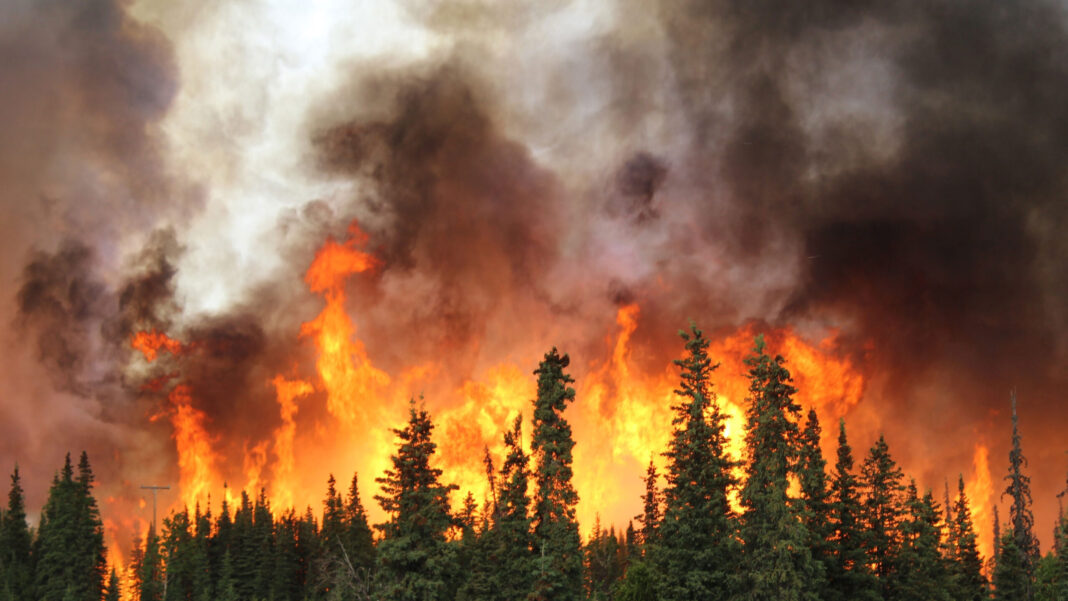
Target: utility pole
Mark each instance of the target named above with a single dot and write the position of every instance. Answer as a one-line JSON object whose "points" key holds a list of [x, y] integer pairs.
{"points": [[154, 489]]}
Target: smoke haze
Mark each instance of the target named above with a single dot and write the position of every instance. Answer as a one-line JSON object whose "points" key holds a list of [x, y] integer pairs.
{"points": [[886, 175]]}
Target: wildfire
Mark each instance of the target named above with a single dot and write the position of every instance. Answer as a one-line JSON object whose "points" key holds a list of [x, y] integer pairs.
{"points": [[151, 343], [196, 458], [980, 491], [287, 392], [621, 418], [347, 374]]}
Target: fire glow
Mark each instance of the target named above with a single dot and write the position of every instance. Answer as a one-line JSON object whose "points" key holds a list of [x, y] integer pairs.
{"points": [[621, 418]]}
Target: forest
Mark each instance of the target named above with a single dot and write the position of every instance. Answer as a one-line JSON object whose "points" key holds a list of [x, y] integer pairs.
{"points": [[780, 523]]}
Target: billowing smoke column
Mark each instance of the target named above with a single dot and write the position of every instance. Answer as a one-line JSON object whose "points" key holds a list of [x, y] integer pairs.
{"points": [[230, 263]]}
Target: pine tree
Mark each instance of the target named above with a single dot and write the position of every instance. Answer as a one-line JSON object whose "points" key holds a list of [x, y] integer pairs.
{"points": [[70, 546], [849, 577], [558, 563], [91, 565], [178, 555], [222, 539], [919, 573], [651, 514], [777, 554], [639, 584], [603, 563], [201, 562], [308, 551], [1021, 520], [966, 566], [698, 555], [225, 584], [16, 571], [1060, 558], [1046, 582], [150, 575], [816, 502], [359, 542], [1011, 581], [242, 549], [882, 512], [513, 539], [415, 561]]}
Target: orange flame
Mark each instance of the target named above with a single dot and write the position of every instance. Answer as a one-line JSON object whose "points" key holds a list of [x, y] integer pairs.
{"points": [[196, 458], [621, 417], [151, 343], [980, 491], [287, 392], [351, 381]]}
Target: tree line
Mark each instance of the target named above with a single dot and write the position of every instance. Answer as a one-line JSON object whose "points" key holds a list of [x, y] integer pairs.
{"points": [[798, 531]]}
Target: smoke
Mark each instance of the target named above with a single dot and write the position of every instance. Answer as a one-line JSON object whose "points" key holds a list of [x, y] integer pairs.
{"points": [[892, 172]]}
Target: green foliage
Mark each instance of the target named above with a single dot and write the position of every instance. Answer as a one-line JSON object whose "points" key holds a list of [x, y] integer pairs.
{"points": [[651, 508], [357, 538], [1021, 520], [1011, 581], [605, 563], [920, 573], [558, 562], [16, 569], [965, 565], [698, 555], [415, 562], [70, 547], [1047, 582], [150, 577], [511, 542], [777, 554], [640, 583], [815, 503], [848, 575], [882, 512]]}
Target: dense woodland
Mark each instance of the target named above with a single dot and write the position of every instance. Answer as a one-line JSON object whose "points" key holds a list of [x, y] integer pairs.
{"points": [[858, 531]]}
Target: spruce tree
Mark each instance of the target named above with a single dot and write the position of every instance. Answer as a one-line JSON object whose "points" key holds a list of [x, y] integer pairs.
{"points": [[285, 571], [965, 565], [243, 549], [150, 577], [848, 576], [650, 516], [1046, 582], [308, 552], [415, 562], [178, 554], [557, 547], [816, 502], [603, 562], [1011, 581], [226, 591], [359, 542], [777, 554], [16, 571], [200, 560], [882, 510], [1021, 520], [70, 560], [698, 555], [90, 568], [512, 539], [919, 573], [639, 584]]}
